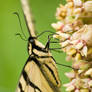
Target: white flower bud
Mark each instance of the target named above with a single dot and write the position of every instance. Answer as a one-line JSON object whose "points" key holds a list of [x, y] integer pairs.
{"points": [[67, 28], [90, 83], [77, 90], [89, 72], [57, 25], [70, 75], [73, 41], [77, 2], [63, 44], [80, 71], [79, 45], [70, 88], [63, 35], [88, 6], [84, 51], [85, 33]]}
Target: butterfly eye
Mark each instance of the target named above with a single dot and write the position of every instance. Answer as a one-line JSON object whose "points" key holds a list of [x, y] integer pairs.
{"points": [[31, 40]]}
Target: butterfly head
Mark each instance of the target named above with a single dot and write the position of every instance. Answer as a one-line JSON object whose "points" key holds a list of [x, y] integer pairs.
{"points": [[31, 39]]}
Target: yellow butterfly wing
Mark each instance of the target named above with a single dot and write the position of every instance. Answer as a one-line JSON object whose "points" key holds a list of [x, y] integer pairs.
{"points": [[33, 80]]}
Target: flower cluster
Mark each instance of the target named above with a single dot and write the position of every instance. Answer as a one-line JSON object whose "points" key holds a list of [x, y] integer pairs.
{"points": [[74, 30]]}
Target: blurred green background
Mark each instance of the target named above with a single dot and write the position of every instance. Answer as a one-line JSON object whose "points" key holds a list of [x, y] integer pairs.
{"points": [[13, 50]]}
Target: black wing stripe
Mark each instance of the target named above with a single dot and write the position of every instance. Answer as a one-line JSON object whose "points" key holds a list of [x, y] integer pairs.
{"points": [[29, 82], [39, 48], [20, 86], [29, 60], [51, 72], [25, 76], [34, 86], [35, 60]]}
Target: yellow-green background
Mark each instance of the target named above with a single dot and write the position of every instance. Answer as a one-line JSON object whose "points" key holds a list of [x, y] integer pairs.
{"points": [[13, 50]]}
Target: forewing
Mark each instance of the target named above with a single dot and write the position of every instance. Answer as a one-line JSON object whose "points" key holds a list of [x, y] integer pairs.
{"points": [[32, 79]]}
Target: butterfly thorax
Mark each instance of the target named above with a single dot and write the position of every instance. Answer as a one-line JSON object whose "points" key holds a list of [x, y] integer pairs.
{"points": [[36, 48]]}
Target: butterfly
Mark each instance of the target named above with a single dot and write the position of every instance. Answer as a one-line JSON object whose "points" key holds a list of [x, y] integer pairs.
{"points": [[40, 73]]}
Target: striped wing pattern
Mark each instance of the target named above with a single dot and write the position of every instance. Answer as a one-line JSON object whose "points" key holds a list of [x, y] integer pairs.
{"points": [[34, 80]]}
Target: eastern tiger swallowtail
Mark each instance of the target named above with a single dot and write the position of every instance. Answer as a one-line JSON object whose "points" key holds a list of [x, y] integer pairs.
{"points": [[39, 73]]}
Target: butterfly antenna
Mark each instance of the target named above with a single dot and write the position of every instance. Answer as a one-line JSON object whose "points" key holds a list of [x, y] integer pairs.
{"points": [[18, 34], [20, 26]]}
